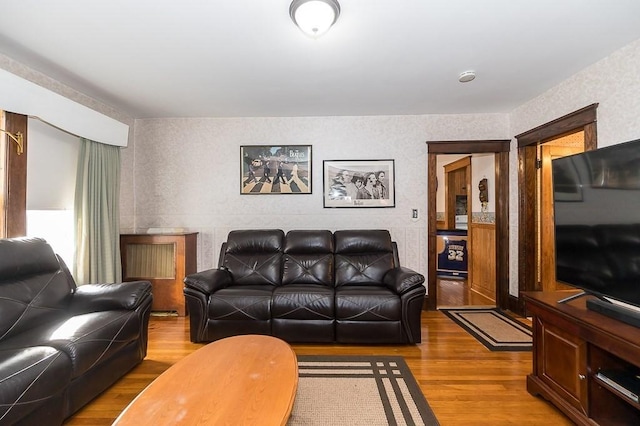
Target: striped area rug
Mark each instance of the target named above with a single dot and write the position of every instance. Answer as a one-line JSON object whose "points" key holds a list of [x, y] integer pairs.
{"points": [[358, 390], [494, 329]]}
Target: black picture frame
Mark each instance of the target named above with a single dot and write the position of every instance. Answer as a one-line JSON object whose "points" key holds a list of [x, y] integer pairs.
{"points": [[275, 169]]}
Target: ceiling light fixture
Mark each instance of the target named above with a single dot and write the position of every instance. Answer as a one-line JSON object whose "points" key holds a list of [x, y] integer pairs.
{"points": [[466, 76], [314, 17]]}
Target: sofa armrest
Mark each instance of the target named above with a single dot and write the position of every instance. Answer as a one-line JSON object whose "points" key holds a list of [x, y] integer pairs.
{"points": [[209, 281], [105, 297], [402, 280]]}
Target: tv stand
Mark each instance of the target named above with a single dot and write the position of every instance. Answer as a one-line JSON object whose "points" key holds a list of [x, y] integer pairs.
{"points": [[571, 346]]}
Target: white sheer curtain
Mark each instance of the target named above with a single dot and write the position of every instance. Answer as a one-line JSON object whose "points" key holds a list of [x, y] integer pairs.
{"points": [[97, 214]]}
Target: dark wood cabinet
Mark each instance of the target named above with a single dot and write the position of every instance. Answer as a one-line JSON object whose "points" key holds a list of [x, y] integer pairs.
{"points": [[164, 260], [571, 344]]}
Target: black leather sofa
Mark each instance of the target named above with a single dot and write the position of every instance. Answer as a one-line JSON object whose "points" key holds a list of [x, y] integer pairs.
{"points": [[308, 286], [62, 345]]}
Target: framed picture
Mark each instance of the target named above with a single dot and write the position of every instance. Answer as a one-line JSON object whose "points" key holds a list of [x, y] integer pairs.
{"points": [[359, 183], [282, 169]]}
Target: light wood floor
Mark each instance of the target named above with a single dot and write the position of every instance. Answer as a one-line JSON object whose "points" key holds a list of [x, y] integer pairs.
{"points": [[464, 383]]}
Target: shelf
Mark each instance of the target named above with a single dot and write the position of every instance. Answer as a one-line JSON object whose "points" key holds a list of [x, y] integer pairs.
{"points": [[615, 383]]}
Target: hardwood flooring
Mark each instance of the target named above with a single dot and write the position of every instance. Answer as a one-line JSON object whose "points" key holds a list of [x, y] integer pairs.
{"points": [[464, 383], [456, 292]]}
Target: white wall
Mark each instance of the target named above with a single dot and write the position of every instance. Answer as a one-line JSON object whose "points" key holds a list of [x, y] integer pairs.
{"points": [[613, 83], [186, 174], [483, 166]]}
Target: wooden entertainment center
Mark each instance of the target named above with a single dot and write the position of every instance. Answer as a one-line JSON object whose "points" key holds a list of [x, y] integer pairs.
{"points": [[571, 345]]}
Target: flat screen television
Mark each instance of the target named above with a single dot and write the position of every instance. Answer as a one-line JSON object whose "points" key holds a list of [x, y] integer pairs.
{"points": [[597, 226]]}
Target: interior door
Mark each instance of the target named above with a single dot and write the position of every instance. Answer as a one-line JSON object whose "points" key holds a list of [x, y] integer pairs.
{"points": [[550, 151]]}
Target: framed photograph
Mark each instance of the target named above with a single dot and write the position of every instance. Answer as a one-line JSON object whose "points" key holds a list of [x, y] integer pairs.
{"points": [[282, 169], [359, 183]]}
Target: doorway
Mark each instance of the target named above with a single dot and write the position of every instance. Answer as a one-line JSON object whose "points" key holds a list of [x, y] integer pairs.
{"points": [[549, 151], [457, 188], [500, 150], [454, 207], [582, 120]]}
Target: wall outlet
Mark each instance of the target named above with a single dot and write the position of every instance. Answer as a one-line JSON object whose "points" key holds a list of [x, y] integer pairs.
{"points": [[414, 213]]}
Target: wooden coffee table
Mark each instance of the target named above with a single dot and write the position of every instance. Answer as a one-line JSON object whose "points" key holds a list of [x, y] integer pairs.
{"points": [[240, 380]]}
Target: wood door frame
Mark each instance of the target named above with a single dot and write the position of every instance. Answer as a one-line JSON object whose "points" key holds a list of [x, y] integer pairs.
{"points": [[501, 150], [582, 119], [450, 202], [548, 151], [15, 192]]}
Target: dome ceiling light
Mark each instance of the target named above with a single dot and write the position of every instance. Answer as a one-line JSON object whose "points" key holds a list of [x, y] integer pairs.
{"points": [[314, 17]]}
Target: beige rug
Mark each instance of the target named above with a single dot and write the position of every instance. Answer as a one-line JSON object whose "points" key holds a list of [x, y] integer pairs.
{"points": [[492, 328], [358, 390]]}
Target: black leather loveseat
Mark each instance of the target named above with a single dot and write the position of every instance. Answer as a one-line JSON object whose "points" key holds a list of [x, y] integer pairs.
{"points": [[307, 286], [61, 345]]}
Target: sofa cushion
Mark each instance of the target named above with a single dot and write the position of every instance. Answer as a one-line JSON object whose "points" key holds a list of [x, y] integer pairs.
{"points": [[363, 241], [309, 242], [362, 257], [254, 257], [303, 301], [367, 303], [308, 258], [87, 339], [29, 377], [33, 288], [240, 303], [308, 269]]}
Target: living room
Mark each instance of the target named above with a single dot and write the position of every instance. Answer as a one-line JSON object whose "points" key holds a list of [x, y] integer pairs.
{"points": [[183, 172]]}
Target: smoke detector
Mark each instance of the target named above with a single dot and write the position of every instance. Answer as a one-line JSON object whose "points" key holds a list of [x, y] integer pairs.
{"points": [[466, 76]]}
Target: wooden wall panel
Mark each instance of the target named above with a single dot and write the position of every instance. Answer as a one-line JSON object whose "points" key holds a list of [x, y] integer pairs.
{"points": [[483, 272]]}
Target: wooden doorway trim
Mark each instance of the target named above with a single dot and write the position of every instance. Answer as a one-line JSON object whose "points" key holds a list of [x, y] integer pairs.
{"points": [[582, 119], [501, 150], [14, 209], [464, 165]]}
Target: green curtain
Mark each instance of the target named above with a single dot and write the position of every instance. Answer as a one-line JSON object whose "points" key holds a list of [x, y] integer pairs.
{"points": [[97, 214]]}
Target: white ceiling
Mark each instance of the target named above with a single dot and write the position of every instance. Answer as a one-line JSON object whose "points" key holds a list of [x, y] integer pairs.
{"points": [[245, 58]]}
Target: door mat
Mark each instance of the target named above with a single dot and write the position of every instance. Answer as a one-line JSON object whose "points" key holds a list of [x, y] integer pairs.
{"points": [[492, 328], [358, 390]]}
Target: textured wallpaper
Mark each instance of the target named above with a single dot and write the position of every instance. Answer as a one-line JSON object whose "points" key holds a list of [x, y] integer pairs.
{"points": [[613, 83], [186, 174]]}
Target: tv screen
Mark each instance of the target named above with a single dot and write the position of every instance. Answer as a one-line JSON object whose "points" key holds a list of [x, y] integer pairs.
{"points": [[597, 221]]}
